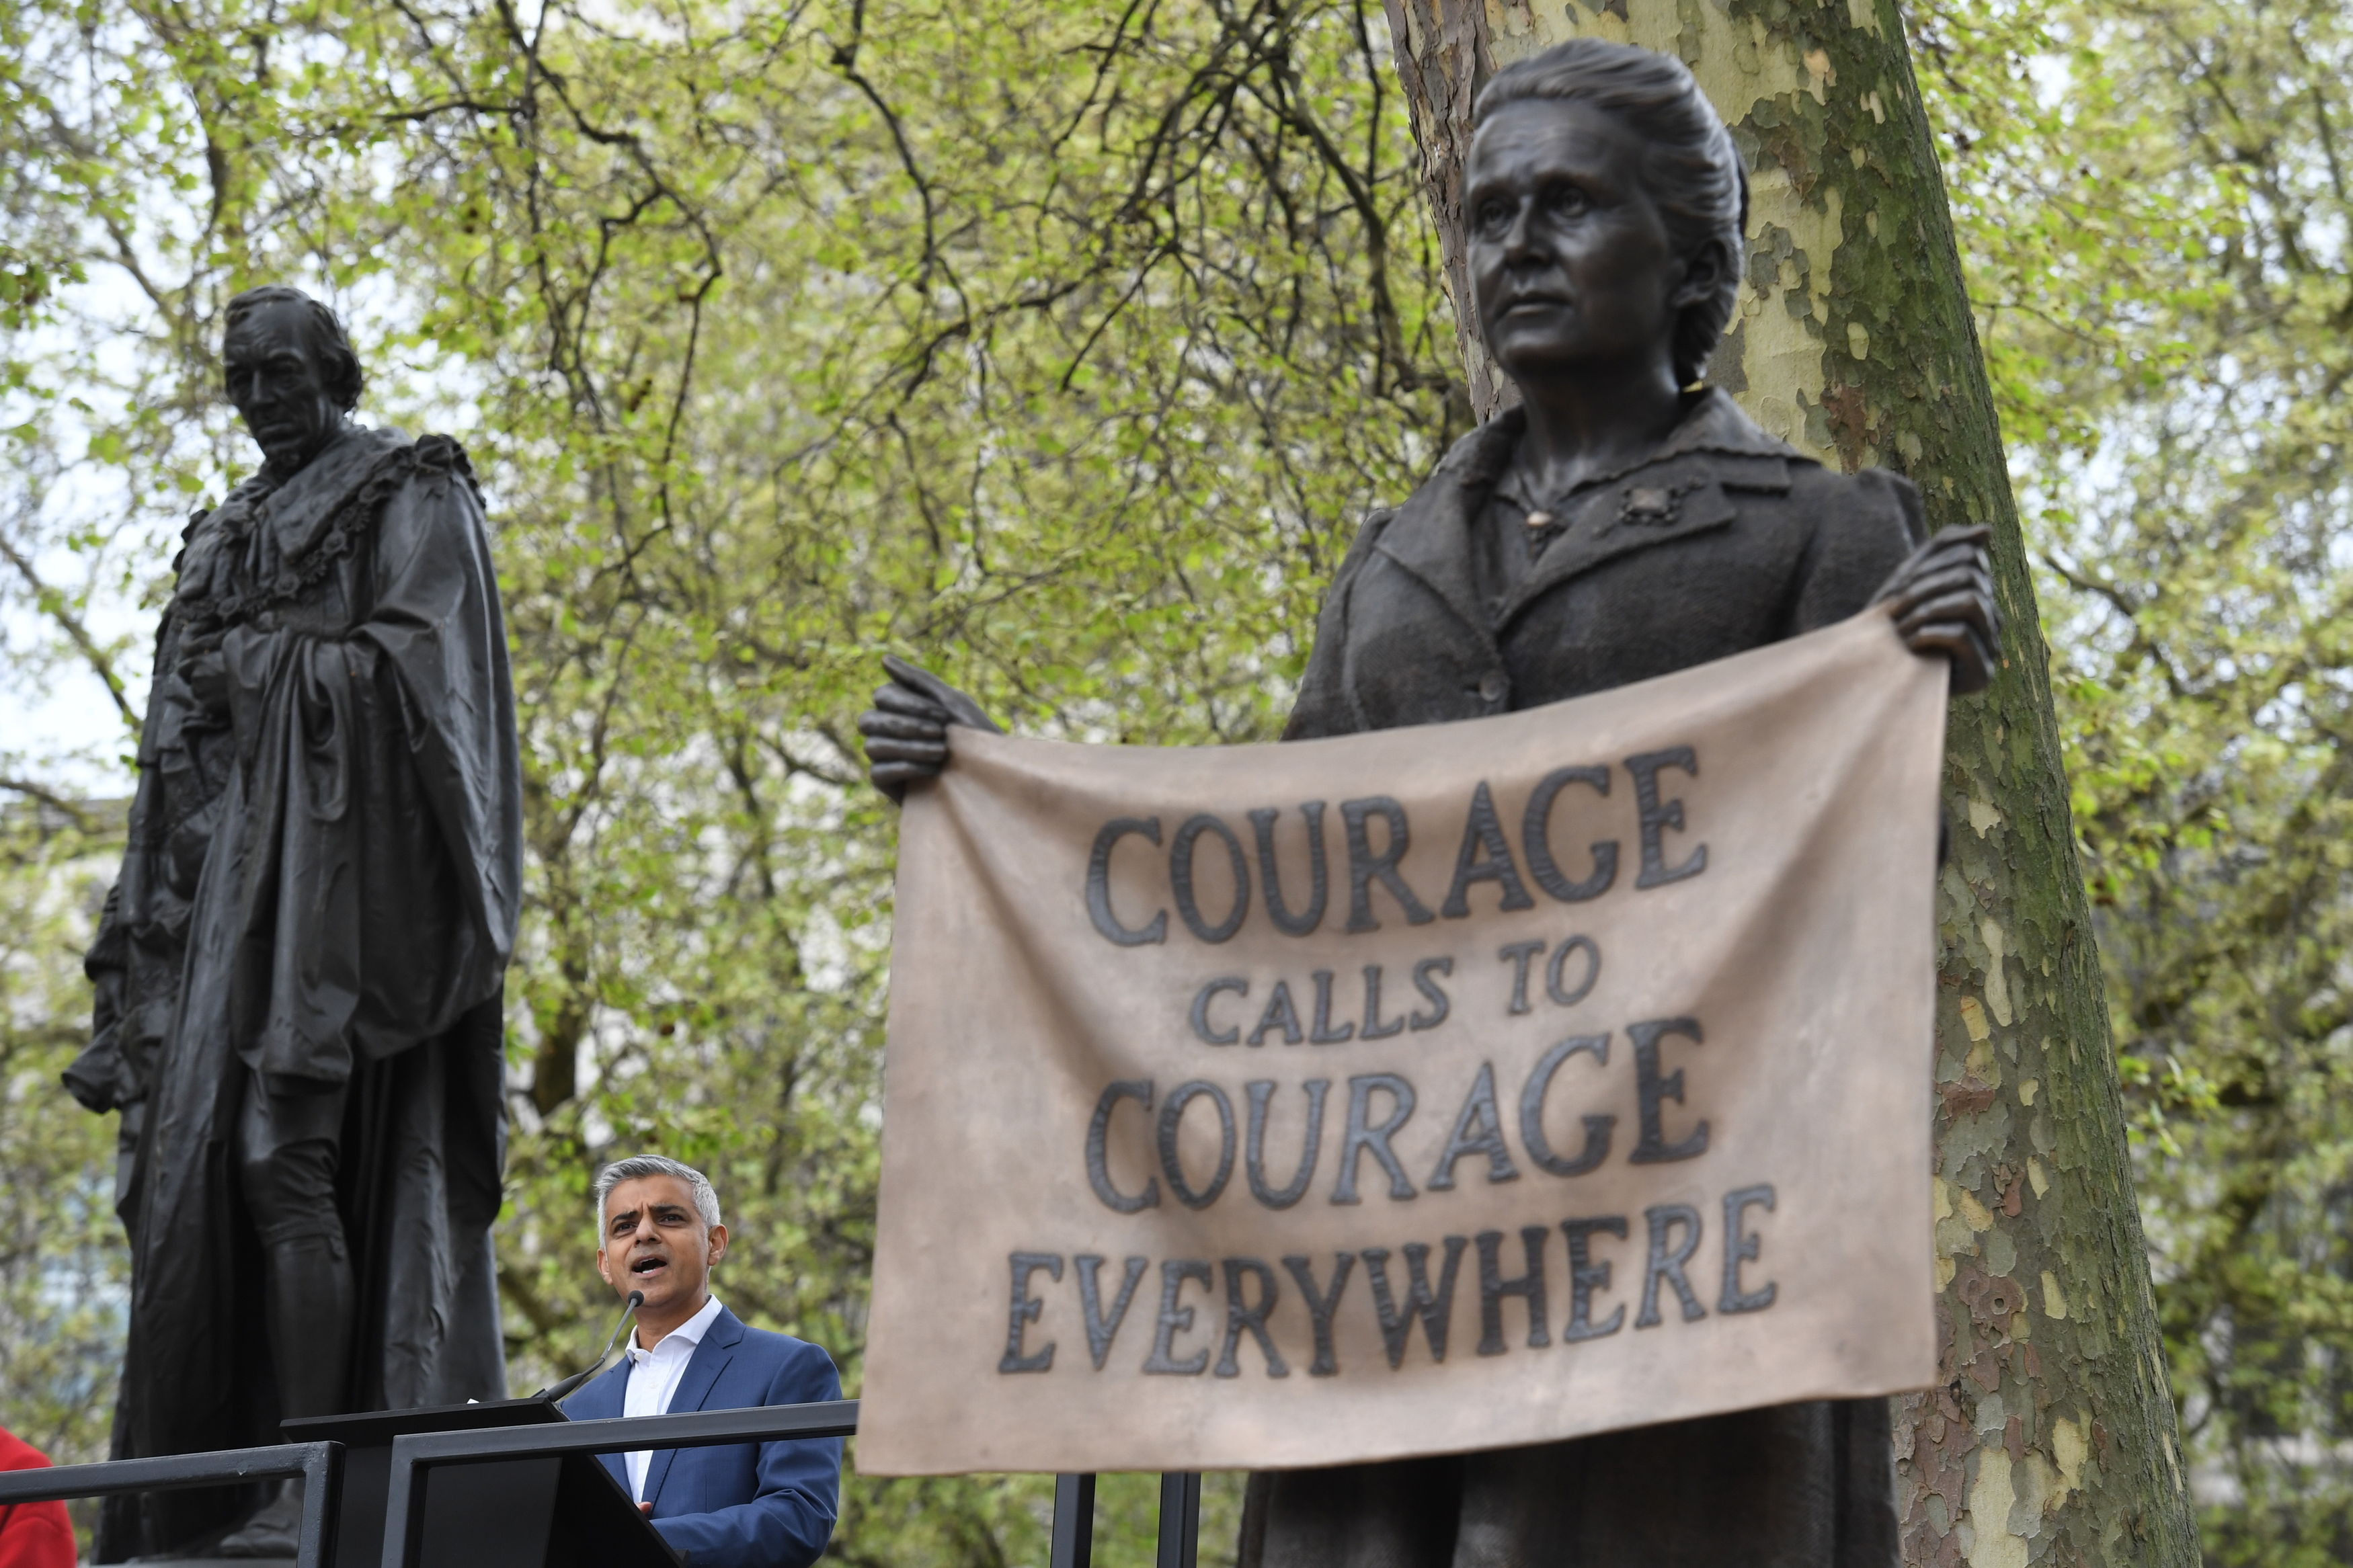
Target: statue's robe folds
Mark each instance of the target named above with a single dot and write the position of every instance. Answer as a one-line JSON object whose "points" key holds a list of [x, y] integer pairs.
{"points": [[185, 757], [351, 923], [1451, 607]]}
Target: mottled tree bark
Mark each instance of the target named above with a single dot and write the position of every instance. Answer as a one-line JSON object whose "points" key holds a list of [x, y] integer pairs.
{"points": [[2053, 1437]]}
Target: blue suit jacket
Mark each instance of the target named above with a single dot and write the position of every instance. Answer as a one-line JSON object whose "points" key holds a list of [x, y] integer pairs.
{"points": [[765, 1505]]}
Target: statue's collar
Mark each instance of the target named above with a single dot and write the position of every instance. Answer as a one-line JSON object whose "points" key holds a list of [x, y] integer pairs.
{"points": [[1712, 422], [296, 513], [317, 485], [291, 501], [284, 535], [1428, 535]]}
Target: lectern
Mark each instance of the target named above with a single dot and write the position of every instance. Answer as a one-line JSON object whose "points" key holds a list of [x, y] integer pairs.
{"points": [[562, 1511]]}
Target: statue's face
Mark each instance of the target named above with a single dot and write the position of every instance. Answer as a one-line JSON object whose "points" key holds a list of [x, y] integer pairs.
{"points": [[278, 380], [1570, 261]]}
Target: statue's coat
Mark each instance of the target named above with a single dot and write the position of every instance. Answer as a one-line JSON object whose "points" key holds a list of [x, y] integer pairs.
{"points": [[1722, 540]]}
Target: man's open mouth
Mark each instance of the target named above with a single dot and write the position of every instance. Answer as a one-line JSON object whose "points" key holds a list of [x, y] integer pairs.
{"points": [[644, 1265]]}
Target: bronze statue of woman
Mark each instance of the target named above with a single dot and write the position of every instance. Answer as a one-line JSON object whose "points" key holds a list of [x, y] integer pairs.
{"points": [[1621, 522]]}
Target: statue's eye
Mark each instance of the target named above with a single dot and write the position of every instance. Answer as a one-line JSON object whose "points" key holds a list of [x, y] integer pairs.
{"points": [[1495, 217], [1567, 199]]}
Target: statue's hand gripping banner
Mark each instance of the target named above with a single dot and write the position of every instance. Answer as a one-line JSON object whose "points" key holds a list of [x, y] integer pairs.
{"points": [[1419, 1091]]}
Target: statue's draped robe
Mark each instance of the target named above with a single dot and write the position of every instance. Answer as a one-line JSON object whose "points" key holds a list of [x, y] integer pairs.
{"points": [[184, 756], [1450, 608], [351, 923]]}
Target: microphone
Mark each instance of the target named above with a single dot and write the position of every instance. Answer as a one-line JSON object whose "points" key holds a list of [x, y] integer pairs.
{"points": [[636, 1299]]}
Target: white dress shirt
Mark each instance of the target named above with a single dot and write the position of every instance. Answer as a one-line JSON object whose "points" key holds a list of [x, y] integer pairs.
{"points": [[653, 1380]]}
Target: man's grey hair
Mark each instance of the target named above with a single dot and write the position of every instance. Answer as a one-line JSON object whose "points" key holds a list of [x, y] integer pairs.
{"points": [[639, 1166]]}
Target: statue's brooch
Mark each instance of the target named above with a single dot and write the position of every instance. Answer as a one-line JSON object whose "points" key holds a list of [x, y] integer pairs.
{"points": [[1653, 506]]}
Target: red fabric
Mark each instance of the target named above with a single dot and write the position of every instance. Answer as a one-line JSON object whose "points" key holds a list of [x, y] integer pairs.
{"points": [[32, 1534]]}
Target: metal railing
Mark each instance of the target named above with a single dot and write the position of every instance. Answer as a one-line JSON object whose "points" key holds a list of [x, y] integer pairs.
{"points": [[1074, 1521], [320, 1464]]}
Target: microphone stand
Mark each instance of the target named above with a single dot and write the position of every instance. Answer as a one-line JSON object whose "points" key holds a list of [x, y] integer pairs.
{"points": [[636, 1299]]}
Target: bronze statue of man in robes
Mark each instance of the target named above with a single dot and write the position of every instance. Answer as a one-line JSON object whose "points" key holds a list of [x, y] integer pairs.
{"points": [[1622, 522], [299, 971]]}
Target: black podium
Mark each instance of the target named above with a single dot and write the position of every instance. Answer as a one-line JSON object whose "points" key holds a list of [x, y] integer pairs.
{"points": [[548, 1512]]}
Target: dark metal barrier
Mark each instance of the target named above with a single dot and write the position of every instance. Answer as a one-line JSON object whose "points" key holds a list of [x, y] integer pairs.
{"points": [[1074, 1494], [1180, 1519], [319, 1464], [1074, 1523]]}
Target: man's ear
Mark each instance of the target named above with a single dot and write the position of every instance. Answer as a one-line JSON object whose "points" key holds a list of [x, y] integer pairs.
{"points": [[718, 1245], [604, 1266]]}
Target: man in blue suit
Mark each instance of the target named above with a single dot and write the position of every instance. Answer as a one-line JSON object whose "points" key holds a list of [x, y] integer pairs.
{"points": [[765, 1505]]}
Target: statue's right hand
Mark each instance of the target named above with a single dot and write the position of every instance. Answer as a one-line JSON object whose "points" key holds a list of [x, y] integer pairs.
{"points": [[906, 731]]}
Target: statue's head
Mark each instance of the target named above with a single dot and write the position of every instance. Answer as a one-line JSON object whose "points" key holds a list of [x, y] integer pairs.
{"points": [[290, 369], [1604, 203]]}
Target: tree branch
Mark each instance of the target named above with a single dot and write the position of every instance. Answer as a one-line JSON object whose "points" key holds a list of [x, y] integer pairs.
{"points": [[52, 603], [80, 813]]}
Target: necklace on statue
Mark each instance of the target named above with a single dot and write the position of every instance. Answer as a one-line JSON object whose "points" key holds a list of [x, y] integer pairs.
{"points": [[1542, 520]]}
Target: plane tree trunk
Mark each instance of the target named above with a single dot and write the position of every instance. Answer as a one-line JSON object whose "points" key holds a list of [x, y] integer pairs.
{"points": [[2053, 1439]]}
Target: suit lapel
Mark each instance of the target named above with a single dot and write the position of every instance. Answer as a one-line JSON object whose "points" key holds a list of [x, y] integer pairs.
{"points": [[1675, 495], [1677, 492], [1429, 536], [694, 1385], [1650, 507], [1685, 478]]}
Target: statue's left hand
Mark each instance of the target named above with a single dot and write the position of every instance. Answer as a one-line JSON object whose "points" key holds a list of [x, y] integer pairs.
{"points": [[1944, 604]]}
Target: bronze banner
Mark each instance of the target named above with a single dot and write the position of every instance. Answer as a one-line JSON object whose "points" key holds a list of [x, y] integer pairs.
{"points": [[1426, 1090]]}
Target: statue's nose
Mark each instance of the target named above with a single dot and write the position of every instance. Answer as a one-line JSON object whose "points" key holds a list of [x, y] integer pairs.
{"points": [[1520, 239]]}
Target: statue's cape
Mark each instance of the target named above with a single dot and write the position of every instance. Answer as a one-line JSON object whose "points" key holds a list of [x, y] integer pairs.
{"points": [[185, 755], [374, 720], [351, 922]]}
